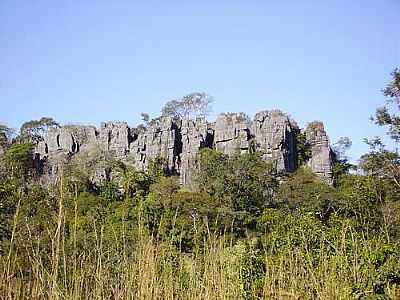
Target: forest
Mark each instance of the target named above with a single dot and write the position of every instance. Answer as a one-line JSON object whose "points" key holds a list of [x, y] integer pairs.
{"points": [[242, 232]]}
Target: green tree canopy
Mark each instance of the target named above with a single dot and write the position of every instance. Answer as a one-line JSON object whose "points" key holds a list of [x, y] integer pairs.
{"points": [[19, 159], [190, 106], [381, 162], [243, 181], [34, 130], [385, 115]]}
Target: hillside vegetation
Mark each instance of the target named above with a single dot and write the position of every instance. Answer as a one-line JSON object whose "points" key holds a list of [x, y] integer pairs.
{"points": [[242, 232]]}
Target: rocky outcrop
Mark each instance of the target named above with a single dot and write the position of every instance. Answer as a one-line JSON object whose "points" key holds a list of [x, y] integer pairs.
{"points": [[321, 153], [115, 138], [62, 144], [232, 133], [68, 138], [178, 142], [274, 134], [195, 136], [159, 140]]}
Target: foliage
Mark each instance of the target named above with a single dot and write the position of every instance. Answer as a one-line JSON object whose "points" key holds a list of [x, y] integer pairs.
{"points": [[383, 115], [244, 182], [304, 190], [5, 135], [243, 232], [19, 158], [382, 163], [34, 130], [9, 192], [190, 106], [132, 181], [362, 200], [227, 239], [157, 167], [303, 149], [341, 165]]}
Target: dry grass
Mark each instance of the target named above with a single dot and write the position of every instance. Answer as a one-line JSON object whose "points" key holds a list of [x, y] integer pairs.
{"points": [[156, 270]]}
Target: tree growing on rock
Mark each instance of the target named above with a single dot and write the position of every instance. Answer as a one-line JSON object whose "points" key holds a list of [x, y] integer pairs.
{"points": [[34, 130], [191, 106]]}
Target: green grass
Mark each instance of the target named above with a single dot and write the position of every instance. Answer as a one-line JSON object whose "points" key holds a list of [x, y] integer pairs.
{"points": [[142, 267]]}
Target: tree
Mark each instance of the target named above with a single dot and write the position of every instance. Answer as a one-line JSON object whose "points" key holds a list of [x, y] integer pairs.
{"points": [[381, 165], [145, 117], [190, 106], [19, 159], [157, 167], [303, 149], [381, 162], [363, 199], [244, 182], [132, 181], [341, 165], [384, 116], [34, 130], [5, 134], [165, 188], [304, 190]]}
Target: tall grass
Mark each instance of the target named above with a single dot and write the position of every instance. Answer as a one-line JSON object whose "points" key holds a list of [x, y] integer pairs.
{"points": [[151, 269]]}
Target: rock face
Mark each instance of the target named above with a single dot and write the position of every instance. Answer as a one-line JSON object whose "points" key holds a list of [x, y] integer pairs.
{"points": [[195, 135], [232, 133], [160, 140], [178, 142], [321, 157], [114, 137], [67, 138], [275, 136]]}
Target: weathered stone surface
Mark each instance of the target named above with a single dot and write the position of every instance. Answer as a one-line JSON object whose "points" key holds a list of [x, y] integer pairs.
{"points": [[195, 135], [68, 138], [321, 159], [159, 140], [179, 142], [274, 134], [232, 133], [115, 137], [60, 144]]}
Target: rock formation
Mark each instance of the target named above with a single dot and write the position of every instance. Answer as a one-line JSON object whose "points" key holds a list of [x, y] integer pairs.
{"points": [[159, 140], [179, 141], [321, 153], [232, 133], [194, 136], [275, 136]]}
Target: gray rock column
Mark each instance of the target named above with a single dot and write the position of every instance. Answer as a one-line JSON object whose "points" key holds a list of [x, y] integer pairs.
{"points": [[321, 159]]}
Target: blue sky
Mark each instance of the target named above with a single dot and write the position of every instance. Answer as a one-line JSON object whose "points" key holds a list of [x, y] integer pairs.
{"points": [[92, 61]]}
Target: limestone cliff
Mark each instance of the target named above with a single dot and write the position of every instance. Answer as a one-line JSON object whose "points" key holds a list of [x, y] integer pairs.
{"points": [[275, 136], [321, 153], [179, 141]]}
